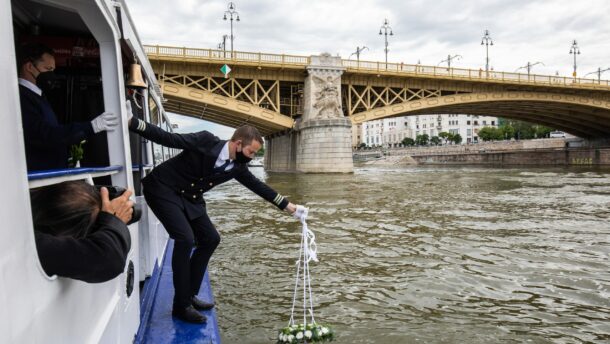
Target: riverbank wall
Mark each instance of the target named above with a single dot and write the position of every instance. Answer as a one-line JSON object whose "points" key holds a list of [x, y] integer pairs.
{"points": [[549, 152]]}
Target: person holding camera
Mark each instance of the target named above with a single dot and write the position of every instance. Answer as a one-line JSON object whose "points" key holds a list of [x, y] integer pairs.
{"points": [[46, 140], [174, 191], [80, 232]]}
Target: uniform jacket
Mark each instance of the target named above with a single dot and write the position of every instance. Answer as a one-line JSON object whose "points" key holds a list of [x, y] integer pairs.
{"points": [[97, 258], [46, 140], [184, 178]]}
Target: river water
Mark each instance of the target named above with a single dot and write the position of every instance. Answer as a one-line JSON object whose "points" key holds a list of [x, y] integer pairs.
{"points": [[422, 255]]}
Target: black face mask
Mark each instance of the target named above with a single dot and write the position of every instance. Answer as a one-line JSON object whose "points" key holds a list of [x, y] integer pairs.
{"points": [[241, 158], [45, 80]]}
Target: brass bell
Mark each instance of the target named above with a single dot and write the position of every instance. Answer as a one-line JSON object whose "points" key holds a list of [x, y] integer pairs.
{"points": [[135, 79]]}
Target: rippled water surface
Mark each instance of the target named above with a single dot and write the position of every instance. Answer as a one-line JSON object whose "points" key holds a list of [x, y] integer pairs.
{"points": [[422, 255]]}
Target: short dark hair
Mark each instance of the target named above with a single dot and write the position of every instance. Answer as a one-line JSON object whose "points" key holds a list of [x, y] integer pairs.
{"points": [[247, 134], [65, 209], [32, 52]]}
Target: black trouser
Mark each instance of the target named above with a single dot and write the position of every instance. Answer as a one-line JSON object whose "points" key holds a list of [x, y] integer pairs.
{"points": [[188, 270]]}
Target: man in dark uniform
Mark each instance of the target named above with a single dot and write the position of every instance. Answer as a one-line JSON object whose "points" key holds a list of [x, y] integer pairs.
{"points": [[174, 191], [46, 140]]}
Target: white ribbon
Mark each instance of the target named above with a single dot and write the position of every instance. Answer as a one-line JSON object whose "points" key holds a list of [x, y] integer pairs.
{"points": [[307, 253], [309, 246]]}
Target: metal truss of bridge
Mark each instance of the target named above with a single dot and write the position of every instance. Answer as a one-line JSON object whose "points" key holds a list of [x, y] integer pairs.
{"points": [[266, 90]]}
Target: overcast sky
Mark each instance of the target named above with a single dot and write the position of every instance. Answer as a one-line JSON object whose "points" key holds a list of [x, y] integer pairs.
{"points": [[522, 30]]}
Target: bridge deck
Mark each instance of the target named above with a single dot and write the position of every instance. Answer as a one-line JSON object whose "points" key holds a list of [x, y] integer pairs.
{"points": [[284, 61]]}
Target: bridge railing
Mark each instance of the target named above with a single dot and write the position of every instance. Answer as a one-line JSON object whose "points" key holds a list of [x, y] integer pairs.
{"points": [[222, 55], [381, 67], [371, 66]]}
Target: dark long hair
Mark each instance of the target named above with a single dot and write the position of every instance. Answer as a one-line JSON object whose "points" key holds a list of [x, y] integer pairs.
{"points": [[65, 209]]}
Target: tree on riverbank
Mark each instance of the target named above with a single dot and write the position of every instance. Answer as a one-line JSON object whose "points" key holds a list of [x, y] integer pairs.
{"points": [[422, 139], [435, 140], [520, 130], [407, 142], [450, 137]]}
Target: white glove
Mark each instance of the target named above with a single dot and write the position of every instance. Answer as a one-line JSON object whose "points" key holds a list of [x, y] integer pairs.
{"points": [[128, 108], [105, 121], [300, 213]]}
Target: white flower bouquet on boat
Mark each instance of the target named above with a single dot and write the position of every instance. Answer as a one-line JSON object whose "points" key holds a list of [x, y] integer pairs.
{"points": [[306, 332]]}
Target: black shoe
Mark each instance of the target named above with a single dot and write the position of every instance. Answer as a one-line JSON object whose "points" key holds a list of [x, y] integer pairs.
{"points": [[201, 305], [189, 314]]}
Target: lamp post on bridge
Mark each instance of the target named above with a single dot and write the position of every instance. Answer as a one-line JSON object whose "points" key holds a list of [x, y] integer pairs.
{"points": [[574, 50], [231, 12], [449, 59], [529, 66], [487, 41], [383, 30], [599, 72], [358, 51], [223, 45]]}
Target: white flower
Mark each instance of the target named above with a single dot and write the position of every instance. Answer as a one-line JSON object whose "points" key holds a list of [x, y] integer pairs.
{"points": [[280, 336], [290, 338], [308, 334], [299, 335], [325, 330], [283, 339], [318, 333]]}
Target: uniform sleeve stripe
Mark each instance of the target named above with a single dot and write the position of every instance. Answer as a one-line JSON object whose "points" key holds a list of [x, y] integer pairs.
{"points": [[278, 199], [141, 125]]}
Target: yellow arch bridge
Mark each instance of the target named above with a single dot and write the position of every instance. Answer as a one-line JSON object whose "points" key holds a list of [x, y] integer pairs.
{"points": [[266, 90]]}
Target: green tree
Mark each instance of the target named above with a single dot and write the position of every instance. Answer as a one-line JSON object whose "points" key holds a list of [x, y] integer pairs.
{"points": [[362, 145], [422, 140], [445, 135], [542, 131], [486, 134], [491, 134], [522, 130], [407, 141], [435, 140], [457, 139], [508, 132]]}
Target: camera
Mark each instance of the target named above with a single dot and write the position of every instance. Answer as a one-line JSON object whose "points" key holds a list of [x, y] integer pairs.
{"points": [[116, 191]]}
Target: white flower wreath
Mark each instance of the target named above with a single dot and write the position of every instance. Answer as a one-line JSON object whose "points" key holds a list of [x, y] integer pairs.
{"points": [[307, 332]]}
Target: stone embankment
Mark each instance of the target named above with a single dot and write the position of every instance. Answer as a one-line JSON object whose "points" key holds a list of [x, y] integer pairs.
{"points": [[542, 152]]}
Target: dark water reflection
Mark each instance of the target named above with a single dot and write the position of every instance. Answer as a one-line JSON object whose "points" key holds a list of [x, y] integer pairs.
{"points": [[423, 255]]}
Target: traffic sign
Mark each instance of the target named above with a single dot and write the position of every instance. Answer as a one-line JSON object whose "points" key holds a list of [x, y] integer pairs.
{"points": [[225, 70]]}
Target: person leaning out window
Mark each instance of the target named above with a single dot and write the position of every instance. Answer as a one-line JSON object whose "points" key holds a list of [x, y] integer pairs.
{"points": [[79, 232]]}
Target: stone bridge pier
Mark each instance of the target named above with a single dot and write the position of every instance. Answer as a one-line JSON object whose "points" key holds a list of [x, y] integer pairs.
{"points": [[321, 139]]}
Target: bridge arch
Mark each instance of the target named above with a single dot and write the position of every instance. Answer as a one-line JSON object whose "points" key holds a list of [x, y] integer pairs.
{"points": [[579, 115], [202, 104]]}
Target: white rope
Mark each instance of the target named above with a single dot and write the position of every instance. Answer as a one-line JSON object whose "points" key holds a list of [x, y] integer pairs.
{"points": [[307, 253]]}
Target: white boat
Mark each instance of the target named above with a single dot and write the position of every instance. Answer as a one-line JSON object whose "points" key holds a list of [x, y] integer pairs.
{"points": [[94, 42]]}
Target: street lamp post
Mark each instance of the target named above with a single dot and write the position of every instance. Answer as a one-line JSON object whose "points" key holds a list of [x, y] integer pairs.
{"points": [[487, 41], [449, 59], [231, 12], [223, 45], [383, 30], [599, 72], [529, 66], [574, 50], [358, 51]]}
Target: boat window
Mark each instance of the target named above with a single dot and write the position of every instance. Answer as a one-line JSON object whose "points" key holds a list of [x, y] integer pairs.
{"points": [[155, 118], [75, 95]]}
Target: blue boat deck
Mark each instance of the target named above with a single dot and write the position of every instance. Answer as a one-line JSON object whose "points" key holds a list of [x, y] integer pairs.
{"points": [[157, 324]]}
